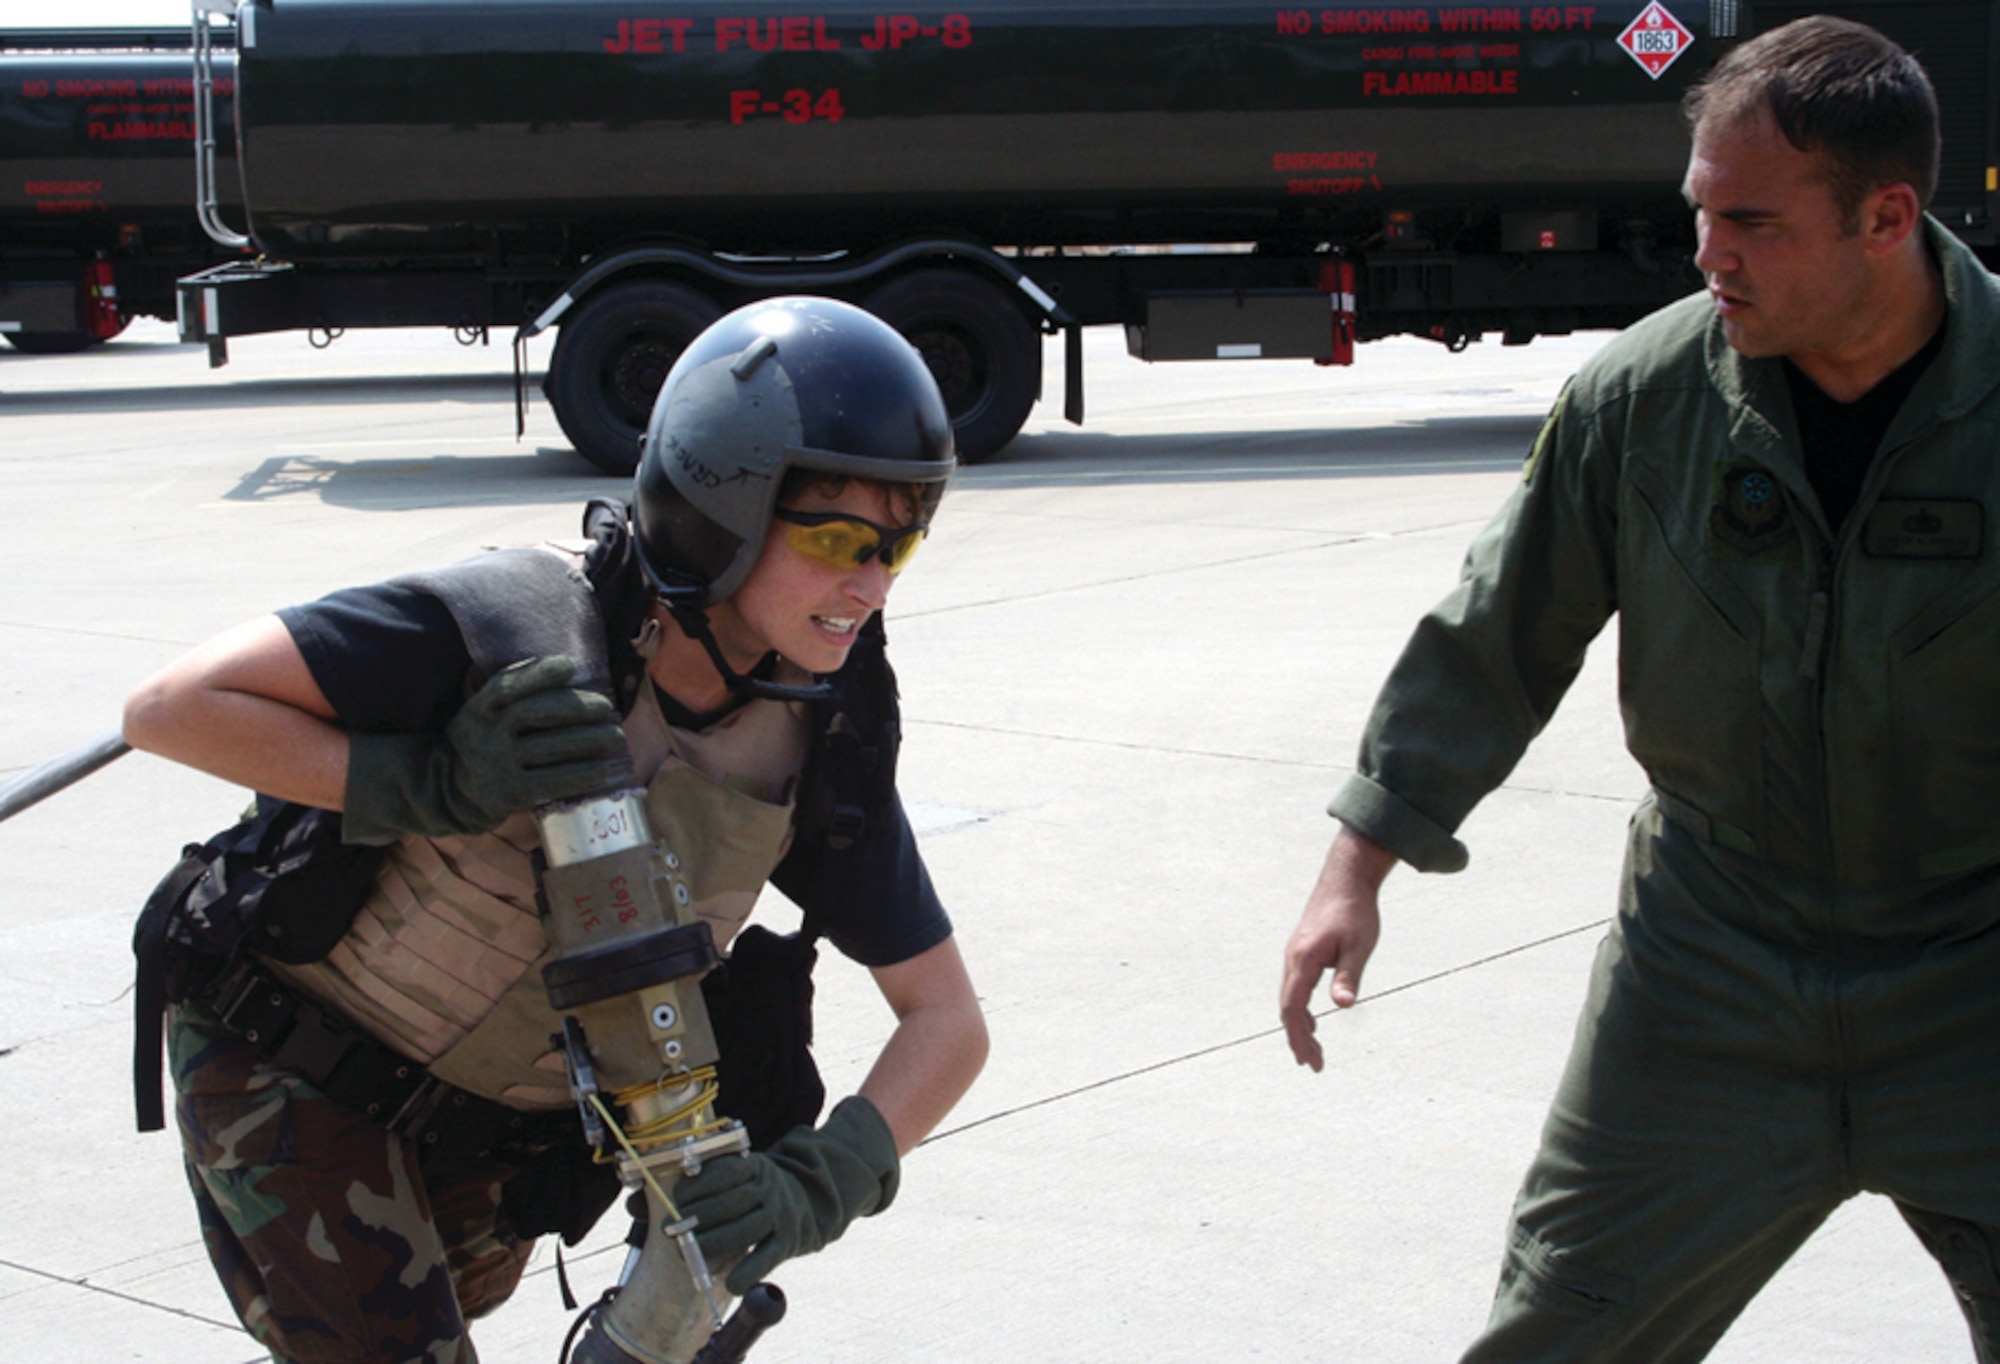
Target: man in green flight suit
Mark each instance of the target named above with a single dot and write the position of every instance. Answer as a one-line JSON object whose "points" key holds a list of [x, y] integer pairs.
{"points": [[1783, 485]]}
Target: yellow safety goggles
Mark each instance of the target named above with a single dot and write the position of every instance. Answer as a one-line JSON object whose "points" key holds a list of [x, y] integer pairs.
{"points": [[842, 541]]}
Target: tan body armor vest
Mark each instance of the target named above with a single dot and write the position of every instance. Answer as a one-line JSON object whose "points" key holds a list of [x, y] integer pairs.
{"points": [[443, 961]]}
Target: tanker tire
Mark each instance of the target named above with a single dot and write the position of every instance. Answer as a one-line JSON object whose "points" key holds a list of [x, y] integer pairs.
{"points": [[50, 343], [610, 359], [980, 347]]}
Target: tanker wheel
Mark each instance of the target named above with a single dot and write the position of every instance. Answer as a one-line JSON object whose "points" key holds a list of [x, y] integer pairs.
{"points": [[980, 347], [610, 360], [50, 343]]}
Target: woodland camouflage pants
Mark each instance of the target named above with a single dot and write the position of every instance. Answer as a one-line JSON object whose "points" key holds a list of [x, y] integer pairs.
{"points": [[336, 1241]]}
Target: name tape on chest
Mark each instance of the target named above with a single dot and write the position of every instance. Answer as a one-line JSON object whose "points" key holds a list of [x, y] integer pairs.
{"points": [[1924, 528]]}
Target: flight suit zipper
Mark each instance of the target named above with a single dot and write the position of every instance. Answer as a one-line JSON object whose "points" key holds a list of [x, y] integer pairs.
{"points": [[1822, 629], [1815, 652]]}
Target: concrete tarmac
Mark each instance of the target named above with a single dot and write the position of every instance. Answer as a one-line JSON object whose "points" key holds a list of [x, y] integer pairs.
{"points": [[1135, 662]]}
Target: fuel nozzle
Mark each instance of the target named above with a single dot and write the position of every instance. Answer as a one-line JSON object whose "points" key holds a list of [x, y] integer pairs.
{"points": [[629, 950], [640, 1052]]}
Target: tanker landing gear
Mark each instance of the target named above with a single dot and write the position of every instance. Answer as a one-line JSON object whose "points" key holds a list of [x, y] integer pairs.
{"points": [[610, 359]]}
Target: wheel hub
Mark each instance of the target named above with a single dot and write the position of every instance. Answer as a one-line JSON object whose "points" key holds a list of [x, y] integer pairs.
{"points": [[636, 375]]}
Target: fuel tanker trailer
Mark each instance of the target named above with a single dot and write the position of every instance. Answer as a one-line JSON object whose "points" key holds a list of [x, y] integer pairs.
{"points": [[1222, 178], [97, 181]]}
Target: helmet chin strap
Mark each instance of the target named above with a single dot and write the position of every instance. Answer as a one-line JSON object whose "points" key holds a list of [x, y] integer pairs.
{"points": [[694, 623]]}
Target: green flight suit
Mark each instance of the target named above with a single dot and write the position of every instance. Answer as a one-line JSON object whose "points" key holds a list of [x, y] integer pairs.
{"points": [[1799, 998]]}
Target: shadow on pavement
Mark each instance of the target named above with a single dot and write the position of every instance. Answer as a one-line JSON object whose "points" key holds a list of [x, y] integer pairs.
{"points": [[1433, 447], [548, 473]]}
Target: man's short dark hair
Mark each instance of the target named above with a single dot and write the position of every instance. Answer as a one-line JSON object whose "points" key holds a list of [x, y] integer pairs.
{"points": [[1840, 91]]}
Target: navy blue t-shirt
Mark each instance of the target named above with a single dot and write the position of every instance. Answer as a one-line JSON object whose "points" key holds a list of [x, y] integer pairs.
{"points": [[390, 658]]}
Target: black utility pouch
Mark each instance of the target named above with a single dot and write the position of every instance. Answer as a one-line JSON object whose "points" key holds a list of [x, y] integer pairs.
{"points": [[561, 1191], [760, 1001], [280, 882]]}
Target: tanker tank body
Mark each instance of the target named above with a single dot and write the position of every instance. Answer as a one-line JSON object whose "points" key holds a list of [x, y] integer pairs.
{"points": [[97, 216], [654, 151], [390, 128], [976, 170]]}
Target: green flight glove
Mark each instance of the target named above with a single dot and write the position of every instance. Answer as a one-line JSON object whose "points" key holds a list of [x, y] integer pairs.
{"points": [[522, 740], [795, 1197]]}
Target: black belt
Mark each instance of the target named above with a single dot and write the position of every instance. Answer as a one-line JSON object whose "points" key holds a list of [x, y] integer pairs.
{"points": [[302, 1036]]}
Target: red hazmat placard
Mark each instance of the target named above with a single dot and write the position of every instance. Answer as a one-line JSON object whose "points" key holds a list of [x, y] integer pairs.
{"points": [[1655, 39]]}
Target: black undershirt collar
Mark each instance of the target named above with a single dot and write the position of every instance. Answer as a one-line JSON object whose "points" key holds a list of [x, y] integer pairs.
{"points": [[1839, 441]]}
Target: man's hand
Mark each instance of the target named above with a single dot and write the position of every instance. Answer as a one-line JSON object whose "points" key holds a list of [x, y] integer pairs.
{"points": [[794, 1198], [1336, 933]]}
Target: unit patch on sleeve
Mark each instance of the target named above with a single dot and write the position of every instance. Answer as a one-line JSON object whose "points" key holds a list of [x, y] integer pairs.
{"points": [[1544, 438]]}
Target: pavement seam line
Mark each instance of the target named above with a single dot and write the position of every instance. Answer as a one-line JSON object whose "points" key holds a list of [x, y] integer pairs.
{"points": [[1227, 471], [1351, 538], [1224, 756], [1259, 1036], [114, 1293], [1126, 744], [113, 635]]}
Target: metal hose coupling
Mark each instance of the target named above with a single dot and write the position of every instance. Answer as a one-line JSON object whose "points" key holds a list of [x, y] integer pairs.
{"points": [[762, 1308]]}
